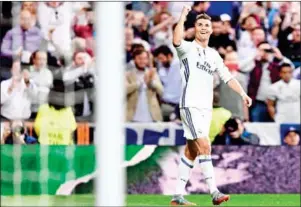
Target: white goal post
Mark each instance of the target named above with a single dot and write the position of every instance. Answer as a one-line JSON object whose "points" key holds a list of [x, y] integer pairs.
{"points": [[109, 137]]}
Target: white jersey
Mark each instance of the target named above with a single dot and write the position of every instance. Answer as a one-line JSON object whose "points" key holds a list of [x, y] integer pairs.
{"points": [[198, 65]]}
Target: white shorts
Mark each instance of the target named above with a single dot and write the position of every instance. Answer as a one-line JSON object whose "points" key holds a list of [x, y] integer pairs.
{"points": [[196, 122]]}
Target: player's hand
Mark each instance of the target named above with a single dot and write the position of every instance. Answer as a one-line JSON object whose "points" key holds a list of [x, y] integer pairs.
{"points": [[247, 100], [186, 9]]}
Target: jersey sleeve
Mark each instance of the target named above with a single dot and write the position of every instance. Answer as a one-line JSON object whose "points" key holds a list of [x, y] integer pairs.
{"points": [[222, 70], [183, 48]]}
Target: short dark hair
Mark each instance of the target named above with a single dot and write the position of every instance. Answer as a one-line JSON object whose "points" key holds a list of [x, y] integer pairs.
{"points": [[203, 16], [138, 52], [163, 49], [137, 46], [284, 65]]}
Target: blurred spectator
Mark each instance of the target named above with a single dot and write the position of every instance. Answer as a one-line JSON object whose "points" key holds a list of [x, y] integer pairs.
{"points": [[220, 39], [296, 73], [129, 38], [229, 99], [6, 18], [143, 86], [26, 5], [81, 76], [285, 21], [141, 29], [83, 27], [135, 47], [21, 41], [162, 30], [219, 117], [42, 77], [15, 133], [17, 94], [292, 137], [55, 122], [234, 133], [169, 73], [247, 56], [55, 21], [293, 47], [265, 72], [245, 43], [284, 97]]}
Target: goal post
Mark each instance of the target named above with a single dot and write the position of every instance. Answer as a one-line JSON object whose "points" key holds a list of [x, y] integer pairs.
{"points": [[109, 133]]}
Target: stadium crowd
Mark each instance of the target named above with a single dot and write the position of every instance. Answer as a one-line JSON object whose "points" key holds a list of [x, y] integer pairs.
{"points": [[47, 56]]}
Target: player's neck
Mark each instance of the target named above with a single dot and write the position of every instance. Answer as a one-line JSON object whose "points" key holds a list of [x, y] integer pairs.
{"points": [[204, 43]]}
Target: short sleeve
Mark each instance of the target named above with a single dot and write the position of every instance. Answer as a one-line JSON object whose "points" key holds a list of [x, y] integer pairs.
{"points": [[183, 48], [222, 70]]}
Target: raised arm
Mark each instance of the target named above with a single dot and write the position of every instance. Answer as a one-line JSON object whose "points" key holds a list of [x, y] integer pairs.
{"points": [[179, 30]]}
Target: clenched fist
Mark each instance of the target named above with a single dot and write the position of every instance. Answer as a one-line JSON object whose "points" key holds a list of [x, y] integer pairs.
{"points": [[186, 9]]}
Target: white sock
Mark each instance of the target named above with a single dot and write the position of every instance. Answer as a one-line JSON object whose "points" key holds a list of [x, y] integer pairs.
{"points": [[208, 171], [185, 167]]}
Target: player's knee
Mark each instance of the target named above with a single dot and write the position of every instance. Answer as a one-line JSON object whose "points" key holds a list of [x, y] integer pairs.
{"points": [[190, 153], [204, 147]]}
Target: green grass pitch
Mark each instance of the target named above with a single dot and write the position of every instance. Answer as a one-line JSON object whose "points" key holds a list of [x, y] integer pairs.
{"points": [[154, 200]]}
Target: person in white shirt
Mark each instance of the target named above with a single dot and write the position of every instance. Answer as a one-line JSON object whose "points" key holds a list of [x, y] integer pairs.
{"points": [[284, 97], [17, 94], [198, 64], [55, 20], [81, 75], [42, 77]]}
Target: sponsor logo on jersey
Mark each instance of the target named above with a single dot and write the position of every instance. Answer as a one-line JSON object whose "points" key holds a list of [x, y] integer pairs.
{"points": [[205, 67]]}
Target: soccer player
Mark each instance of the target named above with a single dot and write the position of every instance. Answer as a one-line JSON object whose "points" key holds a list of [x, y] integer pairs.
{"points": [[198, 63]]}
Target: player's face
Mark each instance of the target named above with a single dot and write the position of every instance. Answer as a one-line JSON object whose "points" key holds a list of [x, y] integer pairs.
{"points": [[203, 29], [286, 74], [292, 139]]}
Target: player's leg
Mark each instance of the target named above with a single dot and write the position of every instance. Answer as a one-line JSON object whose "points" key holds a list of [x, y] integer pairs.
{"points": [[185, 165], [202, 120]]}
